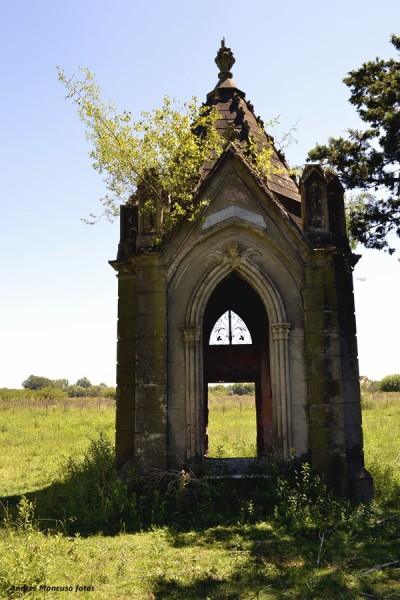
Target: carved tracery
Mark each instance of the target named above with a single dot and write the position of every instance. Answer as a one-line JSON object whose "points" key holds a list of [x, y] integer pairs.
{"points": [[230, 329]]}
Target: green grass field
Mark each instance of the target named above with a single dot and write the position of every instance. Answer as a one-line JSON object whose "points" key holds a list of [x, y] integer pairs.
{"points": [[35, 441], [232, 427], [289, 552]]}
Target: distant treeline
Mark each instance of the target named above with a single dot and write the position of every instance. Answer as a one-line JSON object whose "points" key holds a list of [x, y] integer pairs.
{"points": [[233, 389], [390, 383], [37, 386]]}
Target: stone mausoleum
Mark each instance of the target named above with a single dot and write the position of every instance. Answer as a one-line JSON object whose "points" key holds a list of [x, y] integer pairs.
{"points": [[258, 288]]}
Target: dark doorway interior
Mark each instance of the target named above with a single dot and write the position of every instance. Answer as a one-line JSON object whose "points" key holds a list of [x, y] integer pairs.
{"points": [[234, 355]]}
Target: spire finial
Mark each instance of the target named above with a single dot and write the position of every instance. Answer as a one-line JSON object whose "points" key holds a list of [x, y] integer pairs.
{"points": [[225, 61]]}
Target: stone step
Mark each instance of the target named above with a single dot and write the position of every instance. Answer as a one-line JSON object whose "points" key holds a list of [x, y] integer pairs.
{"points": [[234, 467]]}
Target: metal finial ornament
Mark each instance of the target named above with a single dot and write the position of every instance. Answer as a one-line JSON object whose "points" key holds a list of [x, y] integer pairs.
{"points": [[225, 61]]}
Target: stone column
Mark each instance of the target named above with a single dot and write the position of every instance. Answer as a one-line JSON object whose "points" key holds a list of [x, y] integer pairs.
{"points": [[150, 364], [126, 355], [193, 392], [324, 368], [360, 481], [280, 385]]}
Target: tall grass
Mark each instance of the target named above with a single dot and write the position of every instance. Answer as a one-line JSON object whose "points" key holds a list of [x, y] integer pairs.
{"points": [[36, 438], [381, 428], [232, 426]]}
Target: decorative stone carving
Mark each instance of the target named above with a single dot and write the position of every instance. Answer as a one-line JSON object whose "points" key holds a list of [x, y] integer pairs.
{"points": [[233, 251], [224, 60], [233, 255], [280, 331], [230, 329], [191, 333], [315, 207]]}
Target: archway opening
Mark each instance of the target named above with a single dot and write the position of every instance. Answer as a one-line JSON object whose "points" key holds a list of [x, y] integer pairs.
{"points": [[236, 350], [232, 420]]}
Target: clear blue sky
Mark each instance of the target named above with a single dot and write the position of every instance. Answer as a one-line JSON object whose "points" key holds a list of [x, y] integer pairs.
{"points": [[58, 293]]}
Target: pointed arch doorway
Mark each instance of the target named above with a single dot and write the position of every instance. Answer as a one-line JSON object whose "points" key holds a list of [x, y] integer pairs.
{"points": [[236, 349]]}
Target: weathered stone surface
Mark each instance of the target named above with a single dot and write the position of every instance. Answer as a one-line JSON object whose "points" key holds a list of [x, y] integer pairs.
{"points": [[319, 273], [150, 420], [151, 326], [152, 349], [177, 447], [350, 368], [125, 419], [150, 451], [150, 396], [127, 286], [151, 371], [151, 303], [318, 297], [348, 345], [124, 445], [347, 324], [351, 391], [320, 415], [126, 308], [322, 342], [321, 321], [352, 414], [151, 281], [319, 438], [354, 438], [322, 391], [125, 350], [324, 367], [125, 374], [126, 329]]}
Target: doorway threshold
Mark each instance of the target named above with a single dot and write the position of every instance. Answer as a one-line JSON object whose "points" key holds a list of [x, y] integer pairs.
{"points": [[235, 467]]}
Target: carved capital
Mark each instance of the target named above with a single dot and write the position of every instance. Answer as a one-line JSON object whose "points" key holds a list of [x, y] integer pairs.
{"points": [[191, 333], [280, 331]]}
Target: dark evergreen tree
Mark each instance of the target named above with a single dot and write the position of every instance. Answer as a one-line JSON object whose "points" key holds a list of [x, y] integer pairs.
{"points": [[369, 159]]}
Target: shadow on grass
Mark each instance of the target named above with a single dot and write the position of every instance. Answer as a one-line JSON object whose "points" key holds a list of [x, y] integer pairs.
{"points": [[269, 561], [269, 568], [90, 498]]}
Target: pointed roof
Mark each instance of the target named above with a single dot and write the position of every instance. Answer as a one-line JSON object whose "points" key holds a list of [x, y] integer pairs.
{"points": [[238, 123]]}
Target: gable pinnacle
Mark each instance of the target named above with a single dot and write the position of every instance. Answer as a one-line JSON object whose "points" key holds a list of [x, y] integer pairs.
{"points": [[225, 61]]}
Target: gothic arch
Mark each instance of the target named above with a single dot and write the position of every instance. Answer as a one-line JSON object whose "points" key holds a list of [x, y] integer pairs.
{"points": [[235, 361], [233, 260]]}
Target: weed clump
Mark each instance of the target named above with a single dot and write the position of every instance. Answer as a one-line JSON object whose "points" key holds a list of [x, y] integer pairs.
{"points": [[26, 554], [89, 496]]}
